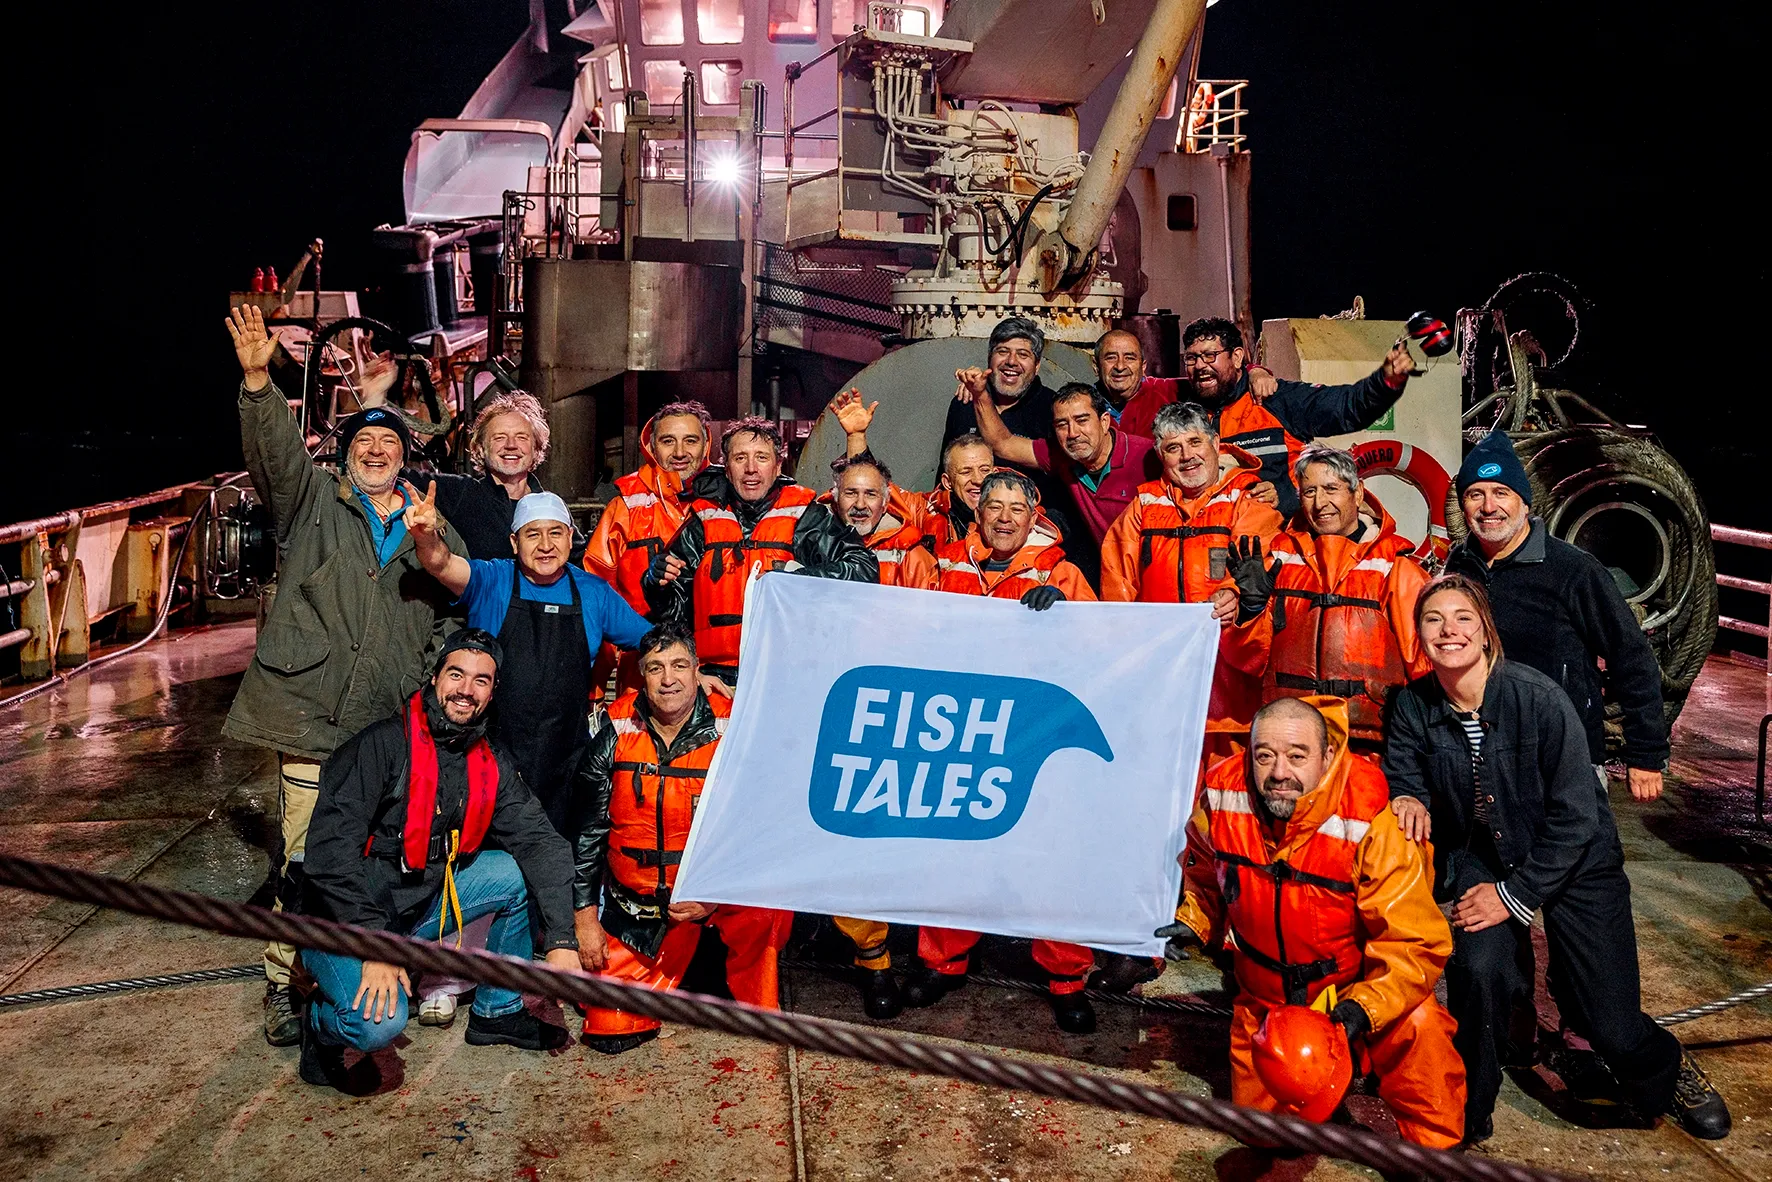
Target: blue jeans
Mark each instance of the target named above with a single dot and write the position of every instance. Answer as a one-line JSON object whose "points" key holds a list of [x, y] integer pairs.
{"points": [[490, 885]]}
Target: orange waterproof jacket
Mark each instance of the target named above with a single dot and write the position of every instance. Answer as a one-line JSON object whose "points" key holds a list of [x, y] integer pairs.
{"points": [[897, 542], [726, 561], [1341, 620], [960, 567], [1339, 896], [651, 804], [636, 525], [938, 526], [1168, 547]]}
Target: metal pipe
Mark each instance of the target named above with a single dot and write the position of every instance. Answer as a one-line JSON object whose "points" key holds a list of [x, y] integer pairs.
{"points": [[16, 587], [1740, 584], [1135, 108], [21, 530], [1758, 539], [1763, 631], [16, 637], [690, 108]]}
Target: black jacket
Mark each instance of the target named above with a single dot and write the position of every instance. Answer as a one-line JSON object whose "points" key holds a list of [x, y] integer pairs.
{"points": [[481, 512], [636, 920], [1559, 611], [825, 546], [1549, 816], [363, 795], [1031, 418], [1305, 410]]}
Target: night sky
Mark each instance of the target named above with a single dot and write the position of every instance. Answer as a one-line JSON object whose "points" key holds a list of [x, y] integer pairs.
{"points": [[1415, 155]]}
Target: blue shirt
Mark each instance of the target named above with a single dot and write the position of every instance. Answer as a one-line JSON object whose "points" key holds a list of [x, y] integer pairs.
{"points": [[606, 614], [385, 536]]}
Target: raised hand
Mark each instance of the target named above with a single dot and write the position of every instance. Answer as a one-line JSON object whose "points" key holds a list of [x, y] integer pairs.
{"points": [[851, 414], [972, 384], [1398, 364], [1255, 579], [252, 344], [421, 512], [379, 372], [1262, 383]]}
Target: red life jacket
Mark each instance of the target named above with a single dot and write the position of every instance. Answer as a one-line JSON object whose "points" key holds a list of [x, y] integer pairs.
{"points": [[1292, 908], [726, 564], [1333, 634], [651, 805], [421, 790], [1184, 558]]}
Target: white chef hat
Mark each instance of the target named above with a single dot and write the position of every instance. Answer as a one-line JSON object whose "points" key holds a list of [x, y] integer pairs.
{"points": [[541, 506]]}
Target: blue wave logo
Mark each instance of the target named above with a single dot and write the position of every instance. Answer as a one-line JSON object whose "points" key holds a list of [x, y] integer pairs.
{"points": [[927, 753], [1488, 470]]}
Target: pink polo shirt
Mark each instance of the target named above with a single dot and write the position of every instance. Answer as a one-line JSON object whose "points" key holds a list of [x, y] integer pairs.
{"points": [[1132, 462]]}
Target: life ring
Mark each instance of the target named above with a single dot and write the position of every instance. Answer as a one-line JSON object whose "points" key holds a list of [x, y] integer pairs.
{"points": [[1393, 457]]}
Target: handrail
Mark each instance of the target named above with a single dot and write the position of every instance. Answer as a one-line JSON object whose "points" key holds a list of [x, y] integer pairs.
{"points": [[1758, 540], [513, 126], [18, 531]]}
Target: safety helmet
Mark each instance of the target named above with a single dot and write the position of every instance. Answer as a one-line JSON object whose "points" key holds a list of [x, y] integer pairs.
{"points": [[1302, 1058]]}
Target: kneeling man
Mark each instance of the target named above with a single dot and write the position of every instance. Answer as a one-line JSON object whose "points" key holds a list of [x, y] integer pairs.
{"points": [[405, 807], [633, 802], [1294, 855]]}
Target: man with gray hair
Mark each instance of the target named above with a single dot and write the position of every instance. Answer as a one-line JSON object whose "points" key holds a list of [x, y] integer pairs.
{"points": [[1334, 614]]}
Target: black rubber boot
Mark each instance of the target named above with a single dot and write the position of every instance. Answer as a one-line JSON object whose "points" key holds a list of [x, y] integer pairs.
{"points": [[283, 1016], [616, 1044], [880, 996], [322, 1063], [1122, 972], [1074, 1013], [522, 1030], [925, 987], [1697, 1106]]}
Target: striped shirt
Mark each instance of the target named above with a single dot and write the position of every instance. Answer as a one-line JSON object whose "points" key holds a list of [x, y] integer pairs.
{"points": [[1473, 733]]}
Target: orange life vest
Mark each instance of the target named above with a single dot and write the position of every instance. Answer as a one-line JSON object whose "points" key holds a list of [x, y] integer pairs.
{"points": [[651, 804], [891, 550], [1185, 559], [960, 569], [938, 527], [1245, 424], [1294, 917], [726, 564], [1335, 637], [653, 520]]}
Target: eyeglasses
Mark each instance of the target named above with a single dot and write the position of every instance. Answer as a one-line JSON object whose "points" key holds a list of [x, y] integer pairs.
{"points": [[1203, 357]]}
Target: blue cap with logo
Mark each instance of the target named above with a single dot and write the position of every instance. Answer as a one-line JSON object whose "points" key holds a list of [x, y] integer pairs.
{"points": [[376, 416], [1494, 459]]}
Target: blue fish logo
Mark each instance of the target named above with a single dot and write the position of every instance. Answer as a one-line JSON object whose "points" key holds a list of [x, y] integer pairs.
{"points": [[1488, 470], [929, 753]]}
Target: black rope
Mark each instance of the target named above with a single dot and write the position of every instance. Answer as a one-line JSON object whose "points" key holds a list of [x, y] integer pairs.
{"points": [[1252, 1127], [1176, 1005]]}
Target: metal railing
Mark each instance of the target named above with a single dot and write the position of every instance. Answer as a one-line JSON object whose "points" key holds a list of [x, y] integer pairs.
{"points": [[1214, 116], [1758, 540]]}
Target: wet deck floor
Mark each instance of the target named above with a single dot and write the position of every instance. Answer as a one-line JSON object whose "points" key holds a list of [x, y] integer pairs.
{"points": [[125, 772]]}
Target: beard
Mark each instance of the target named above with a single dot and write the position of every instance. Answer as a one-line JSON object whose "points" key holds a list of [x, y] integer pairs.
{"points": [[370, 484], [1498, 532], [1280, 808]]}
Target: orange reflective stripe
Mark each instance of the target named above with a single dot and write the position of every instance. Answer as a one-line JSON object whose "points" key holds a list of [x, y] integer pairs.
{"points": [[725, 566]]}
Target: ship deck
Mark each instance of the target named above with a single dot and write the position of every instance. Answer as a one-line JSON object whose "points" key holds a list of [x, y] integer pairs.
{"points": [[125, 772]]}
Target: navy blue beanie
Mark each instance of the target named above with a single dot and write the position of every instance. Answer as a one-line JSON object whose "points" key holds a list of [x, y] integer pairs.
{"points": [[1494, 459], [377, 416]]}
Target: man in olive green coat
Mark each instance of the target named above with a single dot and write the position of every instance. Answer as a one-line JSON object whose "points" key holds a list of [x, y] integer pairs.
{"points": [[350, 631]]}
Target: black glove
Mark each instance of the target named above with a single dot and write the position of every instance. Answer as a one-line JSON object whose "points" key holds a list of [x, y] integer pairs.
{"points": [[1255, 579], [1041, 598], [1353, 1019], [1180, 938]]}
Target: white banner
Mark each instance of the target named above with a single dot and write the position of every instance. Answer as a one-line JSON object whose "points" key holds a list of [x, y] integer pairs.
{"points": [[925, 758]]}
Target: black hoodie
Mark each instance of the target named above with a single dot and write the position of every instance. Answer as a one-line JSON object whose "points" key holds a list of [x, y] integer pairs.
{"points": [[363, 793]]}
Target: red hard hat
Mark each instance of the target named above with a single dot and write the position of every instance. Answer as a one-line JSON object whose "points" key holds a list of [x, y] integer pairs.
{"points": [[1302, 1058]]}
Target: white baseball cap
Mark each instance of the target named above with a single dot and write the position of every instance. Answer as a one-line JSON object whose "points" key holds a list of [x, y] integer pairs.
{"points": [[541, 506]]}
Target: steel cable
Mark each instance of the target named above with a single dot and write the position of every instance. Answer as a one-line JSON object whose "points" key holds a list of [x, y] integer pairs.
{"points": [[1752, 992], [1263, 1129], [129, 984]]}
